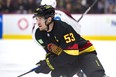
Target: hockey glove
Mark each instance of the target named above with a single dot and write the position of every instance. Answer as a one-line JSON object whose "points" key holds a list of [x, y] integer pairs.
{"points": [[54, 49], [43, 67]]}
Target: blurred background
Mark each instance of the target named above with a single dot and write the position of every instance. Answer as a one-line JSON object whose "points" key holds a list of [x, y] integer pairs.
{"points": [[19, 53], [16, 17], [74, 6]]}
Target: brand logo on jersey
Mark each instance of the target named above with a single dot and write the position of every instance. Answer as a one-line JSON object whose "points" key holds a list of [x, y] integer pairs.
{"points": [[40, 41]]}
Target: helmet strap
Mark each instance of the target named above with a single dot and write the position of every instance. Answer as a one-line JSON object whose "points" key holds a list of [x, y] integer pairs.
{"points": [[48, 25]]}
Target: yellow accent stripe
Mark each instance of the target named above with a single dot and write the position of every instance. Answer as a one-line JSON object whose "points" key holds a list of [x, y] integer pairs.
{"points": [[47, 54], [49, 65], [5, 36], [97, 62], [72, 52], [17, 36], [100, 37], [90, 49]]}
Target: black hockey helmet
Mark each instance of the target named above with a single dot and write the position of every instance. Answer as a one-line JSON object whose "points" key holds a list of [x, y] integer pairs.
{"points": [[45, 11]]}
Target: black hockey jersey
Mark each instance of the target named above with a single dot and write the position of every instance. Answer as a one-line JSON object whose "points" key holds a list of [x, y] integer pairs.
{"points": [[64, 36]]}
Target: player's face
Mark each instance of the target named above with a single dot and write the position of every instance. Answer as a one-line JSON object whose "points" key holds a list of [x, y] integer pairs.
{"points": [[41, 23]]}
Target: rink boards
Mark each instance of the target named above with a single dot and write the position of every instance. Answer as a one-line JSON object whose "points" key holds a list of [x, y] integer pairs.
{"points": [[93, 26]]}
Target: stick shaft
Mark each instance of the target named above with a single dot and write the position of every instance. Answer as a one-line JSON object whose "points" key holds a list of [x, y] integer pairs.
{"points": [[24, 73], [28, 71], [87, 10]]}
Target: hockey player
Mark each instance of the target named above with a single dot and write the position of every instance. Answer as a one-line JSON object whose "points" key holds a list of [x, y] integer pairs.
{"points": [[66, 49], [59, 15], [63, 16]]}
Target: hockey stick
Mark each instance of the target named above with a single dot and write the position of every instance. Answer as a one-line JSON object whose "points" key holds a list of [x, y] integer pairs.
{"points": [[28, 71], [87, 10]]}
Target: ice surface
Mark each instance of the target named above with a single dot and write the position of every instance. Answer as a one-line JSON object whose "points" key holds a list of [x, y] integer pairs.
{"points": [[20, 56]]}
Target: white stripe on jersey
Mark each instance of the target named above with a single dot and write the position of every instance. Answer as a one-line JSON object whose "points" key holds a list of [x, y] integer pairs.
{"points": [[64, 17]]}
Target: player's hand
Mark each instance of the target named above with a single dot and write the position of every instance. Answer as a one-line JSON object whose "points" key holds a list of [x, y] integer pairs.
{"points": [[43, 67]]}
